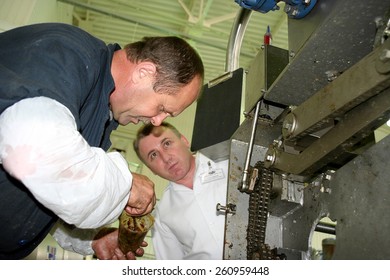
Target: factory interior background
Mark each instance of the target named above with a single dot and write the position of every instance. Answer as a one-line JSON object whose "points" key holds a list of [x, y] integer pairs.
{"points": [[206, 24]]}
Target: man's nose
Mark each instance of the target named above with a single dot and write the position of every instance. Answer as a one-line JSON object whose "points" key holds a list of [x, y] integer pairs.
{"points": [[165, 157], [157, 120]]}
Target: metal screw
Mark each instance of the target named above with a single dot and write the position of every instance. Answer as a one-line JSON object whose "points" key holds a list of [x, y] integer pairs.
{"points": [[228, 209]]}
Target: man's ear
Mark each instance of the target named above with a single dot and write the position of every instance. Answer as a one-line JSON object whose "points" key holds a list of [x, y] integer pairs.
{"points": [[143, 70], [184, 139]]}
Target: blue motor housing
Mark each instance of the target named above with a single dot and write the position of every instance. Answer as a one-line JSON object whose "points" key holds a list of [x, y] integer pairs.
{"points": [[294, 8], [262, 6]]}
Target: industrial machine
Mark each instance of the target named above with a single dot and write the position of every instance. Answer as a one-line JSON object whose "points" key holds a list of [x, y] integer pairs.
{"points": [[304, 148]]}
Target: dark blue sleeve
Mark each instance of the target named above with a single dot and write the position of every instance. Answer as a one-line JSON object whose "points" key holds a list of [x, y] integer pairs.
{"points": [[54, 60]]}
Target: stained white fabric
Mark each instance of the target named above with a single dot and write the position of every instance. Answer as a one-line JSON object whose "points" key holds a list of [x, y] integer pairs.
{"points": [[74, 239], [187, 224], [40, 146]]}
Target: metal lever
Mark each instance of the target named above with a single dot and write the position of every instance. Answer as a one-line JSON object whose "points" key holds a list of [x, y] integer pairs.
{"points": [[245, 185]]}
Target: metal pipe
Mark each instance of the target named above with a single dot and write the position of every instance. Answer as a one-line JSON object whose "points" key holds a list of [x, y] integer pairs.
{"points": [[235, 40], [232, 62]]}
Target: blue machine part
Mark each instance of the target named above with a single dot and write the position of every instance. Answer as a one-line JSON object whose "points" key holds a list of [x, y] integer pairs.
{"points": [[294, 8], [299, 8], [262, 6]]}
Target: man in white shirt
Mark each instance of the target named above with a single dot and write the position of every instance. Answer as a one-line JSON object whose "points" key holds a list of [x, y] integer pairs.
{"points": [[187, 224]]}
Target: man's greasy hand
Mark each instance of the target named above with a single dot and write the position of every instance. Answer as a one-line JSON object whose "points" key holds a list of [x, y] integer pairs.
{"points": [[106, 246], [142, 196]]}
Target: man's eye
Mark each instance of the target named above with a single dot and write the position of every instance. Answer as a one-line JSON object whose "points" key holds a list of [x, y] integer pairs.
{"points": [[153, 156], [167, 143]]}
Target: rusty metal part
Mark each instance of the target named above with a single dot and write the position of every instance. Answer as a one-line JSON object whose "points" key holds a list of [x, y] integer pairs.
{"points": [[258, 214]]}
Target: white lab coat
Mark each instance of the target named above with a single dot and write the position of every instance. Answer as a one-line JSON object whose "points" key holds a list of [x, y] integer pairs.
{"points": [[40, 146], [187, 224]]}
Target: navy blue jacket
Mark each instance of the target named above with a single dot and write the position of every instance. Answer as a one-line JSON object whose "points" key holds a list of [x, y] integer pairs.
{"points": [[67, 64]]}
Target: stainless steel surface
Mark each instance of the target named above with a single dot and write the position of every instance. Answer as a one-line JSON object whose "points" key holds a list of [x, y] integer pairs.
{"points": [[332, 38], [354, 94], [360, 82], [359, 201], [235, 236], [336, 146], [263, 71], [316, 133]]}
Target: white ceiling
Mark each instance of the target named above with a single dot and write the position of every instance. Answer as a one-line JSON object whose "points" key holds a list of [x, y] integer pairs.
{"points": [[206, 24]]}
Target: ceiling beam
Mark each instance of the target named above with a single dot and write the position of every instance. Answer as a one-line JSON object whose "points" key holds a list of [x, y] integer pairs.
{"points": [[145, 24]]}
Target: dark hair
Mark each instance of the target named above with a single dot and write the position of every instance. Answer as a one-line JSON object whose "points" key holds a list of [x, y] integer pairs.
{"points": [[176, 61], [148, 129]]}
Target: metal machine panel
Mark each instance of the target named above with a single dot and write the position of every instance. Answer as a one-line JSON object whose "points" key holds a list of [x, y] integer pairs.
{"points": [[266, 67], [360, 202], [218, 115], [333, 37], [235, 236], [222, 106], [339, 83]]}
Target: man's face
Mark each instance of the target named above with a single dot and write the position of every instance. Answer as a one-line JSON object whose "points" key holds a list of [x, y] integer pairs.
{"points": [[166, 154], [145, 105]]}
